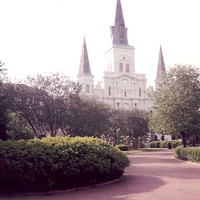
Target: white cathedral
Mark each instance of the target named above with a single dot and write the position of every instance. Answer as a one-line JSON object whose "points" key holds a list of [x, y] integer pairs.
{"points": [[120, 87]]}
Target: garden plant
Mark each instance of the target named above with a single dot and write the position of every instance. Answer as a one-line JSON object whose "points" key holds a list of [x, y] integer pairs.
{"points": [[58, 163]]}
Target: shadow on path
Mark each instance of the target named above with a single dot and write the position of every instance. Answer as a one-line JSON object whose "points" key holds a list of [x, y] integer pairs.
{"points": [[127, 186]]}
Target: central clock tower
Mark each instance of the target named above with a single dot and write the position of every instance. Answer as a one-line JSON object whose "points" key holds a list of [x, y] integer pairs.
{"points": [[125, 82], [123, 88]]}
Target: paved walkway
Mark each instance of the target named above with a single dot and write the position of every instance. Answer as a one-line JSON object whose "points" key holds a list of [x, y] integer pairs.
{"points": [[151, 176]]}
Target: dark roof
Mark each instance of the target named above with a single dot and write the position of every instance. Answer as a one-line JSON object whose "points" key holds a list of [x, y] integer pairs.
{"points": [[84, 67], [161, 65], [119, 31]]}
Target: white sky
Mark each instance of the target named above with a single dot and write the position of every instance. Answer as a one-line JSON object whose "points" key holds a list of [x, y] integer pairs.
{"points": [[38, 36]]}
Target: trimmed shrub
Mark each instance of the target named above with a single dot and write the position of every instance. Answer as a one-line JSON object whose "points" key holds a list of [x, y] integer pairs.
{"points": [[164, 143], [155, 144], [188, 153], [175, 143], [122, 147], [58, 163]]}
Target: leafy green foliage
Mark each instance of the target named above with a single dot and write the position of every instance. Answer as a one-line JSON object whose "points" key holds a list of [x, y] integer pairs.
{"points": [[49, 104], [17, 129], [188, 153], [122, 147], [177, 103], [4, 105], [164, 143], [87, 117], [43, 101], [175, 143], [133, 124], [155, 144], [3, 118], [58, 163], [2, 69]]}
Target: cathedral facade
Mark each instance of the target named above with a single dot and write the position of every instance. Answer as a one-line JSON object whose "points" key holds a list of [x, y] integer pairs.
{"points": [[120, 87]]}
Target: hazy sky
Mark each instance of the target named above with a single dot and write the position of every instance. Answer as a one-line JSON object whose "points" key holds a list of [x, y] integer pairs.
{"points": [[38, 36]]}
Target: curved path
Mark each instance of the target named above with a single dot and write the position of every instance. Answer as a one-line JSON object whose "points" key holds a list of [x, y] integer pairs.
{"points": [[151, 176]]}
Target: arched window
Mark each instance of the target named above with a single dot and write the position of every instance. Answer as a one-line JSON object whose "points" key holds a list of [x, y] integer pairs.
{"points": [[124, 94], [127, 67], [120, 67], [87, 88]]}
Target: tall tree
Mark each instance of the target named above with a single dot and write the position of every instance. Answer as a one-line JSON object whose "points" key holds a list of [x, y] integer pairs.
{"points": [[3, 117], [177, 103], [2, 69], [137, 126], [3, 107], [18, 129], [129, 126], [87, 117], [118, 124], [43, 101]]}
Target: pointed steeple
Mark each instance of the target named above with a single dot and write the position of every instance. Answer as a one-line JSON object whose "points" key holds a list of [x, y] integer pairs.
{"points": [[119, 31], [84, 67], [161, 65]]}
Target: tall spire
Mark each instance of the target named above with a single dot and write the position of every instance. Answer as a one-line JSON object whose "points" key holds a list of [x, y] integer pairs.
{"points": [[119, 31], [84, 67], [161, 65]]}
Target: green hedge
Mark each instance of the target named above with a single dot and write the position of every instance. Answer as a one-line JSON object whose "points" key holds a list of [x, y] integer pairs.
{"points": [[155, 144], [58, 163], [164, 143], [188, 153], [122, 147]]}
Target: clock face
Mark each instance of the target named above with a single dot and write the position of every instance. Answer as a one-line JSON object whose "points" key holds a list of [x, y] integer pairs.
{"points": [[125, 82]]}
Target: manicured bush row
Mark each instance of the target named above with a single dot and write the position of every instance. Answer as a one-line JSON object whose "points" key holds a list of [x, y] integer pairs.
{"points": [[188, 153], [122, 147], [164, 143], [58, 163], [155, 144]]}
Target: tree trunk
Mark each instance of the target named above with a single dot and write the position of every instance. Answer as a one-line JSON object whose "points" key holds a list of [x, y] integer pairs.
{"points": [[194, 140], [133, 142], [136, 144], [183, 135], [3, 134]]}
